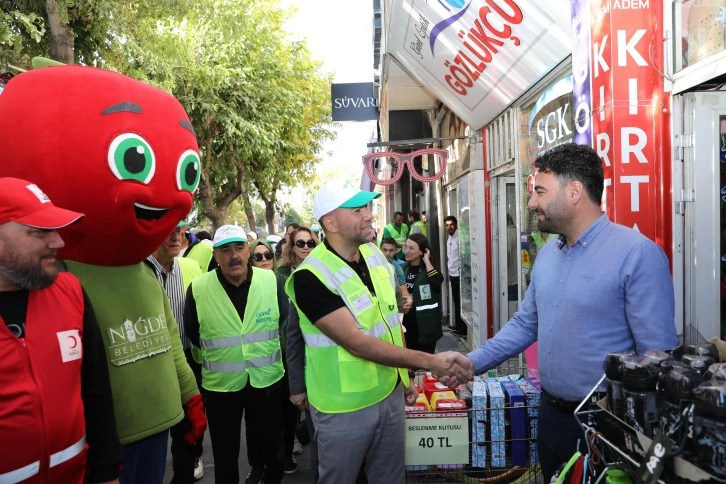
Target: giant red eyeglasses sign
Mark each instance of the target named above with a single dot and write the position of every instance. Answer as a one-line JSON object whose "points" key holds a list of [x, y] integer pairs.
{"points": [[386, 167]]}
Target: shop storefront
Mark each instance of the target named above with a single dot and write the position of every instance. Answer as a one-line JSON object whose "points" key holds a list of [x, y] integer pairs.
{"points": [[476, 58], [644, 84], [698, 73]]}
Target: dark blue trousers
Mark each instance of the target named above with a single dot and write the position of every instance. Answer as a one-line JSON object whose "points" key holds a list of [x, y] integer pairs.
{"points": [[144, 461], [557, 434]]}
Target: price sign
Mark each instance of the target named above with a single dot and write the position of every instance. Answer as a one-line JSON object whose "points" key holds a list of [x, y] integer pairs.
{"points": [[431, 441]]}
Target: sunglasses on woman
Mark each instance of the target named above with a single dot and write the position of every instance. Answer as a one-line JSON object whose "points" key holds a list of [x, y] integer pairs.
{"points": [[302, 243], [258, 257]]}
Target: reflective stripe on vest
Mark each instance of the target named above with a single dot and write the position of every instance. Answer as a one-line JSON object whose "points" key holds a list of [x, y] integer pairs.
{"points": [[240, 340], [30, 470], [321, 341], [243, 365], [428, 306]]}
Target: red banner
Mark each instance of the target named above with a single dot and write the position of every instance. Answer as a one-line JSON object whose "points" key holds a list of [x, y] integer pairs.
{"points": [[630, 111]]}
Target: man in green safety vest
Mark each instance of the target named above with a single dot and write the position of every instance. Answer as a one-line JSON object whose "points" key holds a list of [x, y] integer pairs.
{"points": [[233, 314], [196, 249], [398, 231], [356, 367], [417, 226]]}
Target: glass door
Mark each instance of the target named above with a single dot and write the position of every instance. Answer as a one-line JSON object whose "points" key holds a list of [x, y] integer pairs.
{"points": [[704, 221], [505, 250], [453, 205]]}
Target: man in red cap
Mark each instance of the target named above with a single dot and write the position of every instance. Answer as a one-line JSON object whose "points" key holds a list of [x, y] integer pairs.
{"points": [[56, 409]]}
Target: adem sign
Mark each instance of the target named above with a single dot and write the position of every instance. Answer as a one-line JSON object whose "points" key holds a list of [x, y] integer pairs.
{"points": [[354, 102]]}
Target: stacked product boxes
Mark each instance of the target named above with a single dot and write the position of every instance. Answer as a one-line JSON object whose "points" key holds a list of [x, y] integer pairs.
{"points": [[479, 411], [532, 397], [516, 419], [504, 421], [496, 422]]}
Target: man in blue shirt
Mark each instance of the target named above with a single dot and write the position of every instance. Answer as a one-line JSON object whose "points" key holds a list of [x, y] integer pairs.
{"points": [[600, 288]]}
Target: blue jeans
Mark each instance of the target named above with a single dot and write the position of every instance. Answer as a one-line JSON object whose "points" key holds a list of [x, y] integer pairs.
{"points": [[144, 461]]}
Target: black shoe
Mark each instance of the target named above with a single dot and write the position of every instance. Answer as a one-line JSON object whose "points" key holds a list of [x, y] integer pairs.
{"points": [[255, 476], [290, 465]]}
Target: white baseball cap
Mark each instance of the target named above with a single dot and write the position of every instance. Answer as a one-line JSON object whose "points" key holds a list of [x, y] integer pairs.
{"points": [[227, 234], [337, 195]]}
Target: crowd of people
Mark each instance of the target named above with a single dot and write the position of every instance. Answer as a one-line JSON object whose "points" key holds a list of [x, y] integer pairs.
{"points": [[326, 327]]}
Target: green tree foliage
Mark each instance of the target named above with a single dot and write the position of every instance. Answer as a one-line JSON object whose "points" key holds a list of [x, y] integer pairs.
{"points": [[259, 107], [258, 103], [65, 30]]}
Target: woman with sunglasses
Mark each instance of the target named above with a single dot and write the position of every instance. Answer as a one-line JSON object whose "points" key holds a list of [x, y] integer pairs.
{"points": [[302, 242], [423, 321], [262, 255]]}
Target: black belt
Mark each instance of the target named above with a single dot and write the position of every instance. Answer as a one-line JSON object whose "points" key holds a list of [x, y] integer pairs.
{"points": [[559, 404]]}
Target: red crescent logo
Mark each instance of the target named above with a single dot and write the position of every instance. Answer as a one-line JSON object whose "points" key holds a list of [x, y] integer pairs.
{"points": [[75, 341]]}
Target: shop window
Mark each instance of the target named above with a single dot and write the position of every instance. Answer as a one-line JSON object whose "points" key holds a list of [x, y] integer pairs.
{"points": [[702, 28], [465, 251], [545, 120]]}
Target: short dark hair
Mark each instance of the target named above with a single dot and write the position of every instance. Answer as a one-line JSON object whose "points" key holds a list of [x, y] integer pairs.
{"points": [[388, 240], [293, 225], [414, 215], [203, 235], [396, 214], [451, 218], [569, 162]]}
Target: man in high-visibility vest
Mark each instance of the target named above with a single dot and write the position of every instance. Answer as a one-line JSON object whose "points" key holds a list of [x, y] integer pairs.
{"points": [[356, 363], [176, 274], [233, 314], [398, 231], [54, 384], [195, 248], [417, 226]]}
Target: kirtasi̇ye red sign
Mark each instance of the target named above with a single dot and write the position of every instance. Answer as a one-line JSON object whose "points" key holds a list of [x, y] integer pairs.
{"points": [[630, 113]]}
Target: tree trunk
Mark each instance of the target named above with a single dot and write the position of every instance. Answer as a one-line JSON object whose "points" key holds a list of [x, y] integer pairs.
{"points": [[217, 215], [270, 216], [269, 202], [249, 212], [61, 43]]}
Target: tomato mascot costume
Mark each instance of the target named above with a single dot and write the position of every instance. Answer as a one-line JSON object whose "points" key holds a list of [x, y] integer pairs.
{"points": [[125, 154]]}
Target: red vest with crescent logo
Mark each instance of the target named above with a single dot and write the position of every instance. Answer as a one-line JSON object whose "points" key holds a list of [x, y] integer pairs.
{"points": [[42, 427]]}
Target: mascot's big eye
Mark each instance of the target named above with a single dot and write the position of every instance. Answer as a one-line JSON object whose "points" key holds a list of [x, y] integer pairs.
{"points": [[130, 158], [188, 171]]}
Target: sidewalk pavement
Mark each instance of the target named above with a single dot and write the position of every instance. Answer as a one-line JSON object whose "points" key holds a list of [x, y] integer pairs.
{"points": [[305, 472]]}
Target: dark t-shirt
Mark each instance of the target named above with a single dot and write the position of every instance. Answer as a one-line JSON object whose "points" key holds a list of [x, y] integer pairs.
{"points": [[411, 277], [314, 299], [13, 306]]}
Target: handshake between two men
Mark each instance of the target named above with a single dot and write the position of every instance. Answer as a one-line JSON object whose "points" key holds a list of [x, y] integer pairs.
{"points": [[456, 368], [450, 367]]}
